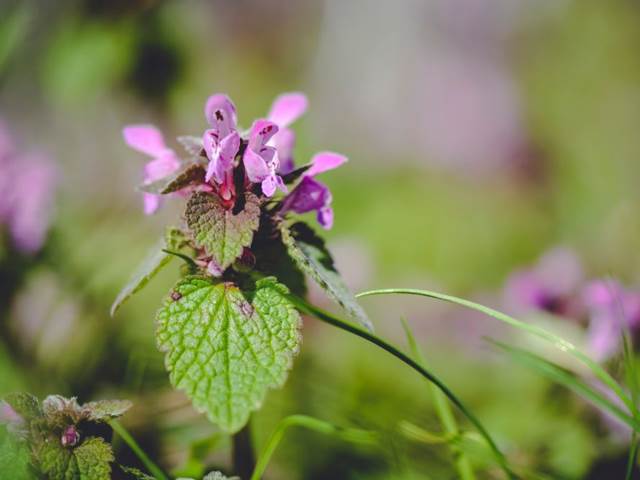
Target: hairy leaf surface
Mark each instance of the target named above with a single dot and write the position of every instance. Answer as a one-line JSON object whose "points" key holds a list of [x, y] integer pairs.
{"points": [[218, 230], [224, 351], [187, 174], [312, 257]]}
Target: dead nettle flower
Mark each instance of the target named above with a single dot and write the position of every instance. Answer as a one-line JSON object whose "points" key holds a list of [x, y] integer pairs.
{"points": [[235, 159], [27, 183], [312, 195], [556, 285], [612, 310], [149, 140], [550, 285]]}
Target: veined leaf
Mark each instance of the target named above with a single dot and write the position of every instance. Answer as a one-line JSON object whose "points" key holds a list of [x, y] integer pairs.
{"points": [[312, 257], [218, 230], [193, 145], [89, 461], [155, 261], [224, 351], [189, 173]]}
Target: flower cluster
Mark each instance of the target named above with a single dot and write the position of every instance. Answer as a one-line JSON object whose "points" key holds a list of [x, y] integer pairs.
{"points": [[259, 160], [27, 183], [556, 285]]}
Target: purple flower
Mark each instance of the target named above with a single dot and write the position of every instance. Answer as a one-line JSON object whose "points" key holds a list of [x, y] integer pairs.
{"points": [[221, 142], [261, 160], [311, 194], [27, 182], [285, 110], [149, 140], [549, 286], [611, 309]]}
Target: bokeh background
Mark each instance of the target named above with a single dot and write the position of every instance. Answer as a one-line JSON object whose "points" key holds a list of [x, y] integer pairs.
{"points": [[480, 134]]}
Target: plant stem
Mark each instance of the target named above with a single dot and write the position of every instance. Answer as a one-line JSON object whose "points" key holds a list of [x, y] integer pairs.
{"points": [[443, 410], [348, 434], [356, 330], [135, 448], [242, 452]]}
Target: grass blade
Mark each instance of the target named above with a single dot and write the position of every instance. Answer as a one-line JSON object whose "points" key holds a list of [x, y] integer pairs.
{"points": [[567, 379], [445, 414], [137, 450], [370, 337], [352, 435], [558, 342]]}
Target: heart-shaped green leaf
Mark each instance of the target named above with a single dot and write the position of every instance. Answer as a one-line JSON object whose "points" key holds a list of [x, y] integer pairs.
{"points": [[224, 351]]}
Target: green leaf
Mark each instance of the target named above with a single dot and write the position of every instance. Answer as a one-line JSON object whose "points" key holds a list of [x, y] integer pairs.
{"points": [[193, 145], [105, 410], [89, 461], [14, 458], [218, 476], [24, 404], [311, 255], [155, 261], [94, 459], [137, 474], [187, 174], [225, 352], [295, 174], [218, 230]]}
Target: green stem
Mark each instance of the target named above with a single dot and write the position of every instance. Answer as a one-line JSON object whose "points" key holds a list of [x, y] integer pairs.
{"points": [[347, 434], [135, 448], [351, 328], [443, 410], [560, 343]]}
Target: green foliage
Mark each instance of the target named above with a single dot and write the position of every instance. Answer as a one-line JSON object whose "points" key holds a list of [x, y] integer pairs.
{"points": [[189, 173], [312, 257], [39, 433], [218, 230], [225, 352], [14, 458], [154, 262], [89, 461]]}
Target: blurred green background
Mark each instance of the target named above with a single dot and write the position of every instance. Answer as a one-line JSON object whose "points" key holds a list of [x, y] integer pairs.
{"points": [[480, 134]]}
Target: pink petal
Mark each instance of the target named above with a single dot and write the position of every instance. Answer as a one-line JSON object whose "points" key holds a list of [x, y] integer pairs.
{"points": [[321, 162], [229, 146], [261, 132], [325, 217], [161, 167], [284, 142], [144, 138], [220, 112], [269, 186], [287, 108], [255, 166], [151, 203]]}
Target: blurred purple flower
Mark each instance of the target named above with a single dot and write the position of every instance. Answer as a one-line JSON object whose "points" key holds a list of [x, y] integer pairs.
{"points": [[285, 110], [149, 140], [611, 309], [310, 194], [261, 160], [27, 183], [548, 286], [221, 142]]}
